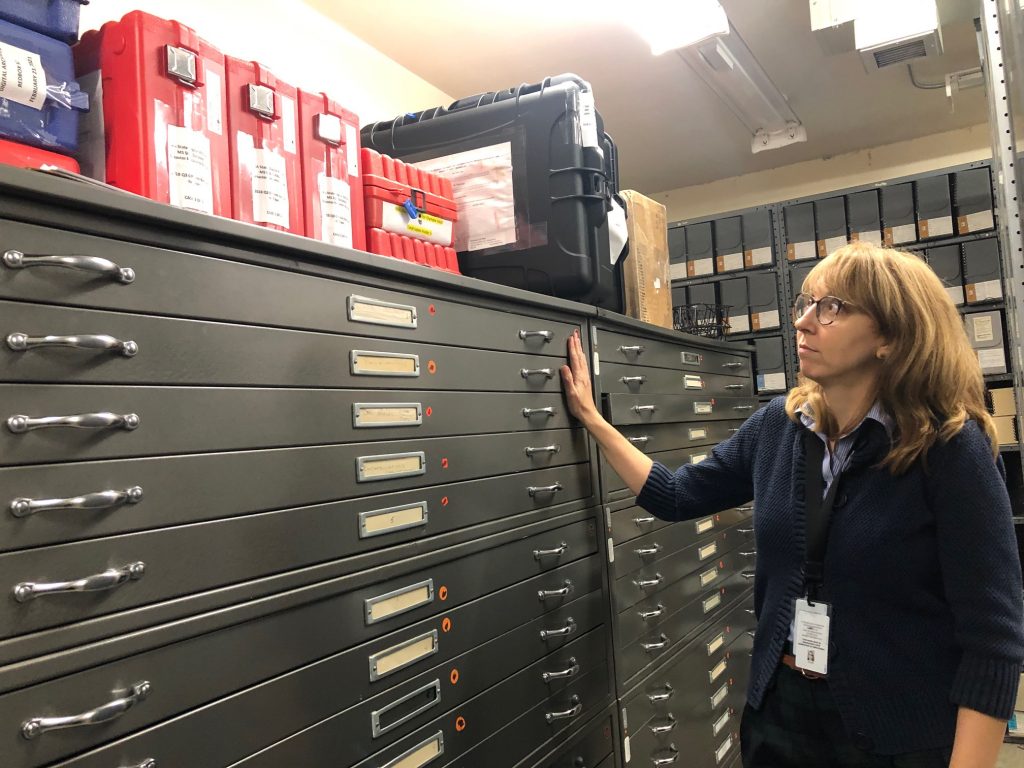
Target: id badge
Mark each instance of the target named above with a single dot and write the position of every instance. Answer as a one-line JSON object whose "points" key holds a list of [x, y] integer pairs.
{"points": [[810, 635]]}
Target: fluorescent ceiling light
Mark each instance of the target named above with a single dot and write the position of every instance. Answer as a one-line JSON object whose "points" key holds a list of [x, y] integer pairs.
{"points": [[665, 26], [728, 67]]}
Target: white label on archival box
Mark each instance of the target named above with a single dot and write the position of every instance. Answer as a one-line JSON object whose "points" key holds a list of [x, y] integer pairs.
{"points": [[992, 360], [288, 123], [483, 190], [214, 111], [939, 226], [588, 120], [677, 270], [904, 233], [832, 243], [990, 289], [269, 188], [760, 256], [805, 250], [979, 221], [703, 266], [768, 319], [189, 175], [22, 78], [335, 210], [351, 151], [739, 323], [956, 293], [983, 328], [768, 382], [873, 236], [732, 261]]}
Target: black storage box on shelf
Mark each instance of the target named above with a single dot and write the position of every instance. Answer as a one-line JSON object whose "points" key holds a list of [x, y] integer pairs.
{"points": [[555, 171]]}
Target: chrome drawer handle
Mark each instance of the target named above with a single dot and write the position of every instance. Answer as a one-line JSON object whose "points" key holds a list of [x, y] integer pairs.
{"points": [[745, 509], [668, 693], [564, 591], [109, 579], [743, 407], [645, 615], [556, 552], [657, 762], [526, 373], [644, 583], [644, 408], [732, 365], [23, 507], [748, 575], [571, 671], [627, 380], [552, 449], [643, 521], [665, 727], [99, 342], [647, 551], [112, 710], [734, 430], [576, 708], [638, 348], [568, 629], [751, 611], [752, 633], [149, 762], [20, 424], [735, 386], [749, 553], [528, 412], [533, 490], [744, 530], [662, 642], [105, 267], [642, 440], [546, 335]]}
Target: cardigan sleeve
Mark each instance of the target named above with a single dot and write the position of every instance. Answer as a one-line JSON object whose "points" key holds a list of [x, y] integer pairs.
{"points": [[723, 480], [981, 572]]}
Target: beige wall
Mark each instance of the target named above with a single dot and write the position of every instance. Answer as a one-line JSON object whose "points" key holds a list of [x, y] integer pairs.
{"points": [[817, 176], [300, 45]]}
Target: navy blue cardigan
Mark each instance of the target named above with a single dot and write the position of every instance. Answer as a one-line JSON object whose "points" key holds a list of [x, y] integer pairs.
{"points": [[922, 572]]}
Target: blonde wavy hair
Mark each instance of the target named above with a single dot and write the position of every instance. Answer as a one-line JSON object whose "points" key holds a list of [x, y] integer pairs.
{"points": [[930, 382]]}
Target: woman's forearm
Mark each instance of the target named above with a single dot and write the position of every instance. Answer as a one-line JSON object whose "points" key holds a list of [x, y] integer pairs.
{"points": [[632, 464], [978, 739]]}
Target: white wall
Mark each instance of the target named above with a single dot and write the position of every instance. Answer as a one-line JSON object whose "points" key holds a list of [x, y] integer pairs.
{"points": [[298, 44], [817, 176]]}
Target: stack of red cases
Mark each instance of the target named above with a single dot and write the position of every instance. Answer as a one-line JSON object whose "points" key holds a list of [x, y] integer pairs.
{"points": [[332, 186], [160, 132], [394, 191], [24, 156], [263, 126]]}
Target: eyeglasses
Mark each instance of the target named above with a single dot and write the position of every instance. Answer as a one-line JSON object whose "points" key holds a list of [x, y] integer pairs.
{"points": [[827, 307]]}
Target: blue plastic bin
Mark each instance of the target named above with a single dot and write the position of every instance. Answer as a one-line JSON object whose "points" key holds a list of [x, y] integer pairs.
{"points": [[52, 121], [53, 18]]}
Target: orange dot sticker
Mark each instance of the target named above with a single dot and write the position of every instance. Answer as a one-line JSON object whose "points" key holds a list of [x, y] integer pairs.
{"points": [[444, 463], [431, 366], [454, 676], [446, 624], [430, 411], [460, 723], [432, 309], [444, 501], [721, 563], [442, 593]]}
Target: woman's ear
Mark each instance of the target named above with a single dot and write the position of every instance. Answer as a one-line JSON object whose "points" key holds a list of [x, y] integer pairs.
{"points": [[883, 351]]}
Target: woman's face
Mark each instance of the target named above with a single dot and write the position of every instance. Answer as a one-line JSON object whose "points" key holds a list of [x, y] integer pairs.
{"points": [[845, 351]]}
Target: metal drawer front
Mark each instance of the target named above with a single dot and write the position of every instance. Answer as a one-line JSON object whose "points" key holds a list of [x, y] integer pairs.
{"points": [[634, 380], [331, 742], [637, 351], [653, 547], [275, 644], [171, 351], [627, 524], [594, 743], [657, 409], [188, 489], [186, 285], [614, 486], [652, 438]]}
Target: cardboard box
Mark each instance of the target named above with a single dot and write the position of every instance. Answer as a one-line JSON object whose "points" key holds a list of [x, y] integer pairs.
{"points": [[646, 283], [1006, 429], [1003, 402], [800, 238], [899, 224], [830, 224]]}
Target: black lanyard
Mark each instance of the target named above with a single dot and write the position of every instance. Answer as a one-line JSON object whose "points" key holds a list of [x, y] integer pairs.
{"points": [[818, 513]]}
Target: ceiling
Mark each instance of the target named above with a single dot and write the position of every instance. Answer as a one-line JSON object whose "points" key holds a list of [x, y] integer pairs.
{"points": [[671, 130]]}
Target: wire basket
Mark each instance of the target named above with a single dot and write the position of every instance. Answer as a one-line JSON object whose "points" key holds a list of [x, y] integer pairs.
{"points": [[710, 320]]}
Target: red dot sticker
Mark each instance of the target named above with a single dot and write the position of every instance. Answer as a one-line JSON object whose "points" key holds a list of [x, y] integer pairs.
{"points": [[460, 723], [432, 309], [430, 411], [444, 501], [431, 366], [446, 624], [442, 593], [454, 676], [444, 463]]}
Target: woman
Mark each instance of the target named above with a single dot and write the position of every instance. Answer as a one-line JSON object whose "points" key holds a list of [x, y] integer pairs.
{"points": [[918, 589]]}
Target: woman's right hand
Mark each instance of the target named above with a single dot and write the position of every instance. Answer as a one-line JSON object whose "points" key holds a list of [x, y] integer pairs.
{"points": [[577, 385]]}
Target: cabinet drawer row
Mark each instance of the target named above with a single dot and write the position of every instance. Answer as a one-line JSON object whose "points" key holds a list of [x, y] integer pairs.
{"points": [[645, 380], [628, 349], [626, 521], [667, 544], [627, 409], [42, 264]]}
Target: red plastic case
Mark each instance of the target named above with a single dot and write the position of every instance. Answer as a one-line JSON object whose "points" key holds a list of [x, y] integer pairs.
{"points": [[390, 187], [332, 186], [24, 156], [263, 126], [161, 131], [416, 251]]}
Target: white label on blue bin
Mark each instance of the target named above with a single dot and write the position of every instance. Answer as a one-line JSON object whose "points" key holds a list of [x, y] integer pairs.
{"points": [[588, 120], [269, 189], [335, 210], [22, 78], [189, 175]]}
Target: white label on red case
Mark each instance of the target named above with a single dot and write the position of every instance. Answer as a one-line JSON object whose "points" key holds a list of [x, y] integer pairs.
{"points": [[189, 171], [335, 210], [214, 96], [269, 188], [22, 78], [351, 151], [588, 120], [432, 229], [288, 123]]}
